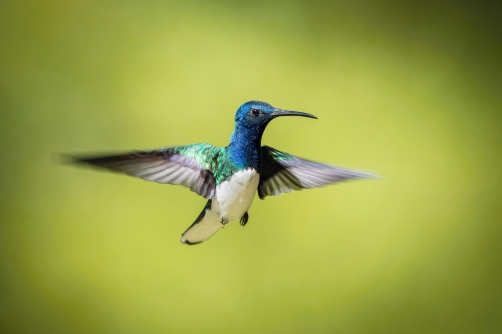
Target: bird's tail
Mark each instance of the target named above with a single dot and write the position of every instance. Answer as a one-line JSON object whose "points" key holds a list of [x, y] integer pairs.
{"points": [[207, 224]]}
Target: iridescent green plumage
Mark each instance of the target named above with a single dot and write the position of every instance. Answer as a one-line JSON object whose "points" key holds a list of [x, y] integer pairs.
{"points": [[214, 159], [202, 153]]}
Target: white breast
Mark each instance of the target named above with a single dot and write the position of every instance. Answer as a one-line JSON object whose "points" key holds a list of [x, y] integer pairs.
{"points": [[234, 197]]}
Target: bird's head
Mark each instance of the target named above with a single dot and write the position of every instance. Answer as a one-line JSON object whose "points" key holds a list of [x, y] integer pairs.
{"points": [[259, 114]]}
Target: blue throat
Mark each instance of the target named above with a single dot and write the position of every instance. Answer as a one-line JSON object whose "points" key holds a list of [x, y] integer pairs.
{"points": [[245, 145]]}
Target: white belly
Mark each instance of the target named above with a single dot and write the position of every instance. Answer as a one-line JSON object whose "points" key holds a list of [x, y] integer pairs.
{"points": [[233, 197]]}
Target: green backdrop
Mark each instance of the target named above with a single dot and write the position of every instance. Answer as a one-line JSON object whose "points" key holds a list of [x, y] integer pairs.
{"points": [[410, 90]]}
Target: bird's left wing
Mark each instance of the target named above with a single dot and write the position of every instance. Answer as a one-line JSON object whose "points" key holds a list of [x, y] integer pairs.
{"points": [[189, 166], [282, 172]]}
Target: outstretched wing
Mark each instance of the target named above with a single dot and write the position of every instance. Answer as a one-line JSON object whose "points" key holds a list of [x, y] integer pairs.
{"points": [[189, 166], [282, 173]]}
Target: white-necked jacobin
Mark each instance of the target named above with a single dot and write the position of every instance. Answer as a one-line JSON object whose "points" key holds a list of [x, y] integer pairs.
{"points": [[229, 176]]}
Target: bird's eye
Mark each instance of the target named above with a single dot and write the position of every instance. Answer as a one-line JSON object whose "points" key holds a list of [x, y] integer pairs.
{"points": [[255, 112]]}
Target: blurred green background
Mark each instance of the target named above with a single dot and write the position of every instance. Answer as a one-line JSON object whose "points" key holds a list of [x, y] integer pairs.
{"points": [[410, 90]]}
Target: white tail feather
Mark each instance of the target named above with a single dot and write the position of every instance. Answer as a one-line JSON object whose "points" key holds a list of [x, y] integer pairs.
{"points": [[203, 228]]}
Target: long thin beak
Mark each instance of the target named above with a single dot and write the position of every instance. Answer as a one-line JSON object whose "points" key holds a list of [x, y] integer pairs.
{"points": [[279, 112]]}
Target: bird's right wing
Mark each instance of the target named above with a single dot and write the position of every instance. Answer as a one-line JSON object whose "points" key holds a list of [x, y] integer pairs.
{"points": [[282, 172], [189, 166]]}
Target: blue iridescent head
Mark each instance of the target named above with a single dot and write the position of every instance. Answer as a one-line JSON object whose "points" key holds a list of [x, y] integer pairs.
{"points": [[259, 114], [251, 120]]}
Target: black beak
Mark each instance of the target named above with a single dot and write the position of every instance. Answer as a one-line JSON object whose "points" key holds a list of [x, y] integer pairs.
{"points": [[279, 112]]}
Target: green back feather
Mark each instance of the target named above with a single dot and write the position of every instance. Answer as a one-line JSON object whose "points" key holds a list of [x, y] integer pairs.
{"points": [[215, 159]]}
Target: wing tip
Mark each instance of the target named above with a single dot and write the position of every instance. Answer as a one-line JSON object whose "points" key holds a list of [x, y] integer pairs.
{"points": [[66, 159], [370, 176], [84, 160]]}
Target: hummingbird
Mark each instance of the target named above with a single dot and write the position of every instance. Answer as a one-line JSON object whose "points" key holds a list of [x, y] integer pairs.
{"points": [[228, 177]]}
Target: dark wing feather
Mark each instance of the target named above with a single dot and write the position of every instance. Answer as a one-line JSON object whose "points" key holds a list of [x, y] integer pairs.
{"points": [[282, 172], [189, 166]]}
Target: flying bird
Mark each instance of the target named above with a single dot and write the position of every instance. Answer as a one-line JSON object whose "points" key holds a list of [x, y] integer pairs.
{"points": [[228, 177]]}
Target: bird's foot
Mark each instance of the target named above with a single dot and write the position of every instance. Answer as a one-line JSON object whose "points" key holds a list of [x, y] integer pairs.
{"points": [[244, 219], [223, 221]]}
